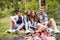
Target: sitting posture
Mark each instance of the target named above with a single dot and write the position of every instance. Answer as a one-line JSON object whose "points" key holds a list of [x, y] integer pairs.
{"points": [[16, 22], [44, 20], [26, 20], [33, 20]]}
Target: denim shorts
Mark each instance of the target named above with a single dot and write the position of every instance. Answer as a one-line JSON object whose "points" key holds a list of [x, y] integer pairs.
{"points": [[49, 25], [16, 26]]}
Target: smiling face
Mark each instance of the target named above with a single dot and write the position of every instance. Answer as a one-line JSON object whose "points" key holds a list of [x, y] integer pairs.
{"points": [[28, 12], [33, 14], [41, 10], [19, 13]]}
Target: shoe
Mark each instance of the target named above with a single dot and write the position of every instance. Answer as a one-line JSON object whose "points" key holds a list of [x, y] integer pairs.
{"points": [[10, 31], [28, 31], [16, 32], [56, 31], [50, 29]]}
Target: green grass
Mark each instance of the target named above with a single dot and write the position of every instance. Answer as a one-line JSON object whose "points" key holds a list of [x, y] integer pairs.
{"points": [[4, 25], [58, 22]]}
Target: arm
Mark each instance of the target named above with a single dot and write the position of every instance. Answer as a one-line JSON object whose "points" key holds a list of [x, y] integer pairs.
{"points": [[13, 19], [22, 19]]}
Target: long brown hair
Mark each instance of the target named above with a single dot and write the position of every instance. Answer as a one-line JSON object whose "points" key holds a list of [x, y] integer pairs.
{"points": [[35, 18], [27, 15]]}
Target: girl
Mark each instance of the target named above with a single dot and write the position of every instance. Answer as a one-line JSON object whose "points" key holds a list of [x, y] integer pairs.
{"points": [[33, 19]]}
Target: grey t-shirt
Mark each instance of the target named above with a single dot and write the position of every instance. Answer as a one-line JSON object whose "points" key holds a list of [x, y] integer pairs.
{"points": [[43, 18]]}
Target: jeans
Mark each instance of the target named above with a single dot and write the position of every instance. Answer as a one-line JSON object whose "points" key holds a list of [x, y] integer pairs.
{"points": [[16, 26]]}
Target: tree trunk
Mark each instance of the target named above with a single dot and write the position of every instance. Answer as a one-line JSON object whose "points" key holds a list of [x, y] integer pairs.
{"points": [[46, 5], [39, 3]]}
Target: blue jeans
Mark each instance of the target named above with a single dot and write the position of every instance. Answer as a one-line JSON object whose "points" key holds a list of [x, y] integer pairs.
{"points": [[27, 24], [16, 26]]}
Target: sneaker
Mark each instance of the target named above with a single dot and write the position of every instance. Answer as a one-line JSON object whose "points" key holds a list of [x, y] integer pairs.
{"points": [[10, 31], [50, 29], [28, 31], [56, 31], [16, 32]]}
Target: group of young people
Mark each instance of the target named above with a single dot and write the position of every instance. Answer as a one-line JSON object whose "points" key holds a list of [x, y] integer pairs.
{"points": [[38, 20], [32, 19]]}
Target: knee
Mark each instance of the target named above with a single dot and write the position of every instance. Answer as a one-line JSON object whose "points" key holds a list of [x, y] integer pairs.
{"points": [[51, 19], [11, 22], [23, 24]]}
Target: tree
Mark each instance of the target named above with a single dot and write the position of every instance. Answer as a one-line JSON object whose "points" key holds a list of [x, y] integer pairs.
{"points": [[39, 3]]}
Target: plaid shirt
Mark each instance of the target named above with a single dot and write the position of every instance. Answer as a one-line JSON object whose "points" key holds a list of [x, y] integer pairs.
{"points": [[43, 18]]}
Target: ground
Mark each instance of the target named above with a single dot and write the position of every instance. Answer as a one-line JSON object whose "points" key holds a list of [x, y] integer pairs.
{"points": [[4, 25]]}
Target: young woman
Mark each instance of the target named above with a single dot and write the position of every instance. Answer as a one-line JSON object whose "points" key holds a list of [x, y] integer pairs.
{"points": [[27, 19], [34, 19]]}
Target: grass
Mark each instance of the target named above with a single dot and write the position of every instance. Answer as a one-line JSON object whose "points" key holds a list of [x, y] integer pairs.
{"points": [[4, 25]]}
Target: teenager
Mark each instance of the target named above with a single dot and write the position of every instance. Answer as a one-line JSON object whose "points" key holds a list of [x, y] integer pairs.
{"points": [[44, 20], [27, 20], [16, 22], [34, 19]]}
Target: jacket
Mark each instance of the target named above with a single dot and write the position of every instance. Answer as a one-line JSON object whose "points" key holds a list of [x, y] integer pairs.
{"points": [[15, 18]]}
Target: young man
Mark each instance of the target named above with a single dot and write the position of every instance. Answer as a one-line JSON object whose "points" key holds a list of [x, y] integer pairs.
{"points": [[16, 22], [44, 20]]}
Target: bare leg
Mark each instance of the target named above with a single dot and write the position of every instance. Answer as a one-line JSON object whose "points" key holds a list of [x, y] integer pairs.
{"points": [[21, 26], [40, 27], [53, 23], [11, 24]]}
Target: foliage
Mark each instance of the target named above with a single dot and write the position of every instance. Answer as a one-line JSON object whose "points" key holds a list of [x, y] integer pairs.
{"points": [[9, 7], [58, 11], [13, 5], [32, 5], [52, 8]]}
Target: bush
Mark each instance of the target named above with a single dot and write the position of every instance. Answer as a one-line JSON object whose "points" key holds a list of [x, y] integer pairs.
{"points": [[6, 12], [52, 5]]}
